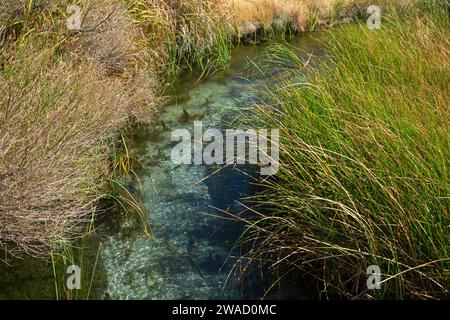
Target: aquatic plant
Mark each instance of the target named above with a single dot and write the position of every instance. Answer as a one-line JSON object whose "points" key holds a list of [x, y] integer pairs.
{"points": [[185, 34]]}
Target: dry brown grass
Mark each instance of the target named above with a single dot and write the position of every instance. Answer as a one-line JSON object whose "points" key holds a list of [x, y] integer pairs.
{"points": [[64, 96], [251, 15]]}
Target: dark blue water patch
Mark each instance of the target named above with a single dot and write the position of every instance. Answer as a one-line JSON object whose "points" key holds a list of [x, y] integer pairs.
{"points": [[228, 184]]}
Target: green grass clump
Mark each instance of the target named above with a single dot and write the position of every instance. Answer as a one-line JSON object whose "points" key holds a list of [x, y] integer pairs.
{"points": [[364, 161], [185, 35]]}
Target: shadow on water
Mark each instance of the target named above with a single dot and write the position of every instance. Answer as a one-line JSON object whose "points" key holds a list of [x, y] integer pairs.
{"points": [[189, 255]]}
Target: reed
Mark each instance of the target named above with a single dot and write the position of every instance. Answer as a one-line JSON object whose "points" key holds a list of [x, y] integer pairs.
{"points": [[185, 34], [364, 160]]}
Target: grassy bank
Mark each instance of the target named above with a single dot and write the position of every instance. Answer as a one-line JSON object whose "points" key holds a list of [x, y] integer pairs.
{"points": [[364, 161], [65, 95]]}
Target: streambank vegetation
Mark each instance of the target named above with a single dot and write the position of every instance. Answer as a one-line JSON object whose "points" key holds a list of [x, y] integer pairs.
{"points": [[67, 93], [363, 178]]}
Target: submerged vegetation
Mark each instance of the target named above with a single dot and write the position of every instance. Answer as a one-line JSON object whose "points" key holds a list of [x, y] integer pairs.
{"points": [[363, 178]]}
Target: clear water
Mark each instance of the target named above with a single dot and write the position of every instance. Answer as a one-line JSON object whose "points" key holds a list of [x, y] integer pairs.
{"points": [[190, 256]]}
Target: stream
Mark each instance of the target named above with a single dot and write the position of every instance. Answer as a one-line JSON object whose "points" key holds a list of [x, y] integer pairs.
{"points": [[192, 246]]}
